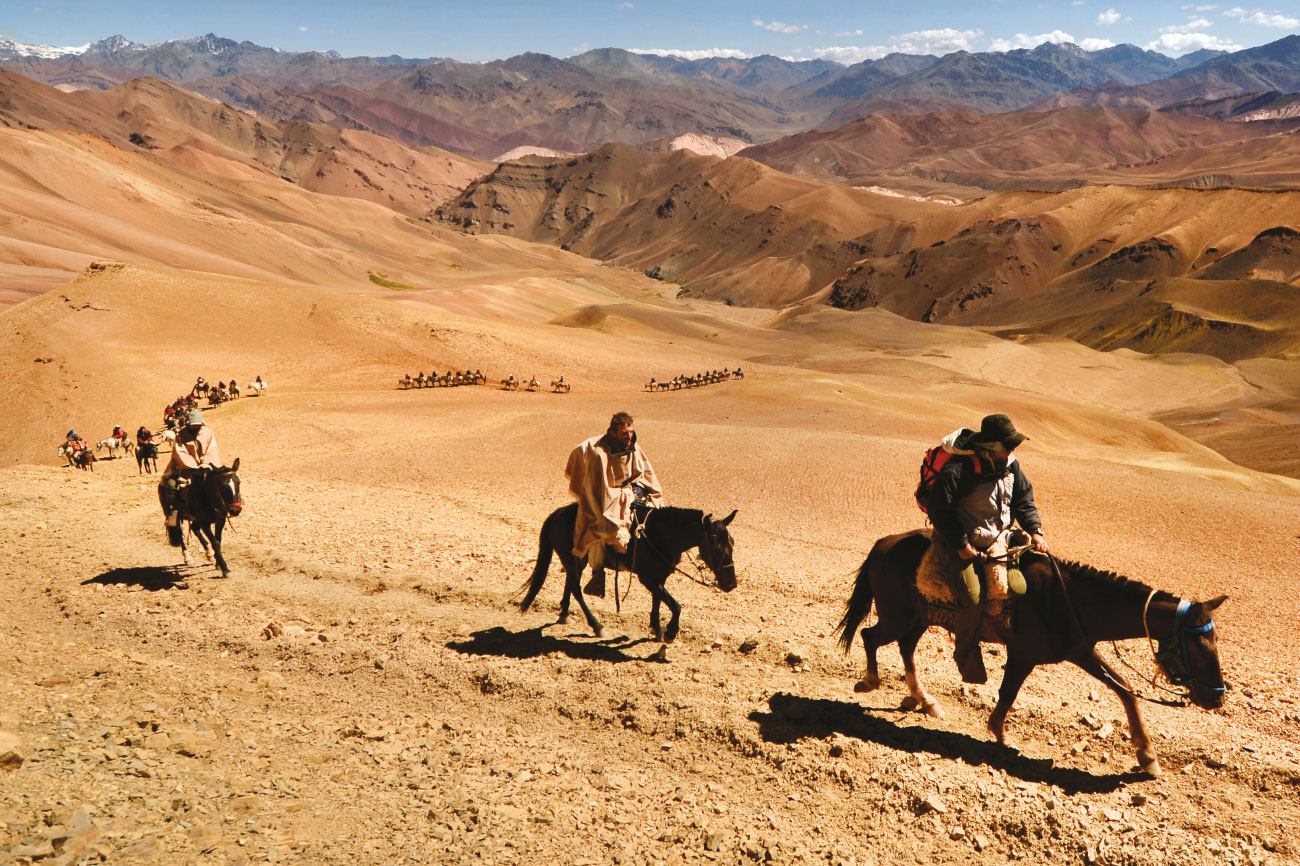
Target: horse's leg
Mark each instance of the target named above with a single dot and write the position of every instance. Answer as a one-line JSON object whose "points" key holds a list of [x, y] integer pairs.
{"points": [[1014, 674], [873, 638], [1146, 753], [216, 546], [917, 695], [675, 621]]}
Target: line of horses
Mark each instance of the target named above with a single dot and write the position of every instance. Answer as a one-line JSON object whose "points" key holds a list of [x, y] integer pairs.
{"points": [[558, 386], [699, 380], [223, 392], [452, 379]]}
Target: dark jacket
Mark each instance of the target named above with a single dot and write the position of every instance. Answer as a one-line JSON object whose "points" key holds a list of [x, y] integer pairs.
{"points": [[957, 479]]}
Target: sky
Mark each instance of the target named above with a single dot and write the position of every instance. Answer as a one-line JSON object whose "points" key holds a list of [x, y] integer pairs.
{"points": [[481, 30]]}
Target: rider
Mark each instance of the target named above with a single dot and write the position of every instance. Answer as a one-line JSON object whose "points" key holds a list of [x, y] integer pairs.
{"points": [[977, 495], [195, 449], [119, 433], [143, 436], [76, 442], [609, 475]]}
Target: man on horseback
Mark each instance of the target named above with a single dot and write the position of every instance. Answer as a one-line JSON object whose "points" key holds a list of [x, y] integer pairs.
{"points": [[195, 449], [613, 481], [973, 502]]}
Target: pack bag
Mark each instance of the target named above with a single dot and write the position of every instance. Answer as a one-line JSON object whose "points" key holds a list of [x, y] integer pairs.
{"points": [[935, 459]]}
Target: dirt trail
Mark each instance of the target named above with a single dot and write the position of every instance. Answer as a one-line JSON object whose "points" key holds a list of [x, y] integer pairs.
{"points": [[362, 691]]}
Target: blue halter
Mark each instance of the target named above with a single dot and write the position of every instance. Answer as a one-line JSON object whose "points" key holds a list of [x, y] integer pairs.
{"points": [[1172, 654]]}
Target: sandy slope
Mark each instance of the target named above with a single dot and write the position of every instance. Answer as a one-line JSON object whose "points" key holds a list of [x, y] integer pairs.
{"points": [[360, 691]]}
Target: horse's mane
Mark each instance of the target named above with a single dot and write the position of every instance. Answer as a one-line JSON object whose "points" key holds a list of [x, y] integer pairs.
{"points": [[1074, 570]]}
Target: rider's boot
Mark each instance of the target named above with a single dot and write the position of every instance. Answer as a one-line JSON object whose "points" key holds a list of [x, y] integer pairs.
{"points": [[966, 623], [596, 586]]}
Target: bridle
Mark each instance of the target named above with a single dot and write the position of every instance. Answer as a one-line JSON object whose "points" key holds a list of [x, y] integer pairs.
{"points": [[1171, 655]]}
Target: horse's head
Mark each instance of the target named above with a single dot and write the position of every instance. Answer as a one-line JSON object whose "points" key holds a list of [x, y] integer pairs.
{"points": [[1189, 656], [225, 481], [716, 550]]}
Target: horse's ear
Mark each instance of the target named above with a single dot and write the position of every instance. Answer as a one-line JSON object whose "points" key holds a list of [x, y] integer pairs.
{"points": [[234, 467], [730, 517], [708, 518], [1213, 603]]}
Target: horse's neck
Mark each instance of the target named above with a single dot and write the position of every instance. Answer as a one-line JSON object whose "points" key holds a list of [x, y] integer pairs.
{"points": [[675, 525], [1109, 607]]}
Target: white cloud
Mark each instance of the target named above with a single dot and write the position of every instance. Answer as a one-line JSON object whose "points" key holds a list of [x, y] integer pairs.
{"points": [[1203, 7], [1195, 25], [628, 5], [849, 33], [1023, 40], [779, 27], [1109, 17], [1091, 44], [1079, 3], [694, 53], [942, 41], [1177, 44], [303, 29], [1262, 18]]}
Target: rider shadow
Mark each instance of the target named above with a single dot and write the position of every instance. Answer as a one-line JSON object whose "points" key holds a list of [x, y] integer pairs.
{"points": [[794, 718], [532, 643], [150, 577]]}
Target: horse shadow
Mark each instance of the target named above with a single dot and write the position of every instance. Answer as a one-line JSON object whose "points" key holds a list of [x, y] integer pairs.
{"points": [[794, 717], [150, 577], [532, 643]]}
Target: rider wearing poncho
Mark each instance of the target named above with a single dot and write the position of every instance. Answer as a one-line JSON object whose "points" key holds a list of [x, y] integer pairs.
{"points": [[978, 494], [609, 475], [195, 448]]}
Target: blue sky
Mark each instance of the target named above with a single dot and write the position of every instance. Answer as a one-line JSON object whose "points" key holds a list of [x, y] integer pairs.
{"points": [[478, 30]]}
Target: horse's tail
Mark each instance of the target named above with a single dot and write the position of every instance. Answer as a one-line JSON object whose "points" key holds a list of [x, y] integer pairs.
{"points": [[859, 603], [538, 577]]}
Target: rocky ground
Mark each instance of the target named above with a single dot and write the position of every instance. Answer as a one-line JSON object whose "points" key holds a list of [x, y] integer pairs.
{"points": [[361, 689]]}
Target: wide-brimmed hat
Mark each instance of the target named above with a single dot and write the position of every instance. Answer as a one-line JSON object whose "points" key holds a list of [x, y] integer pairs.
{"points": [[997, 433], [195, 418]]}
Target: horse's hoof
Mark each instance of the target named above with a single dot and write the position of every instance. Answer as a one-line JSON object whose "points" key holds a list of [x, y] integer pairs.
{"points": [[225, 574], [186, 558], [909, 703], [562, 619], [934, 711], [868, 683], [207, 554], [1151, 768], [600, 632]]}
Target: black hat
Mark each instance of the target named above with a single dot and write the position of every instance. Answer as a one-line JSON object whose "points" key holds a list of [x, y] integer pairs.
{"points": [[997, 433]]}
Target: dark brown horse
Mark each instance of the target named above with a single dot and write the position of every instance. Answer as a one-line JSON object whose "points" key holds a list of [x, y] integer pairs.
{"points": [[669, 533], [210, 499], [1068, 608]]}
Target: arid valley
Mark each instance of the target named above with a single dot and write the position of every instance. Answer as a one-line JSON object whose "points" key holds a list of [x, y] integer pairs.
{"points": [[1122, 280]]}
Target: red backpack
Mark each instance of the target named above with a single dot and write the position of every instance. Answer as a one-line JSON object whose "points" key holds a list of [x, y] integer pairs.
{"points": [[935, 459]]}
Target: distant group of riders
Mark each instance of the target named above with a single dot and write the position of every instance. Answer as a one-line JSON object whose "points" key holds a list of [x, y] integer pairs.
{"points": [[699, 380], [532, 383], [452, 379], [222, 391]]}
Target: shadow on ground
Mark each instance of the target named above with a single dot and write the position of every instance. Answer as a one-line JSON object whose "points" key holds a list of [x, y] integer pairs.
{"points": [[150, 577], [532, 643], [794, 718]]}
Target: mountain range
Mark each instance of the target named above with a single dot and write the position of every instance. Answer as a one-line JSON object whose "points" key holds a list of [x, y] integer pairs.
{"points": [[582, 102]]}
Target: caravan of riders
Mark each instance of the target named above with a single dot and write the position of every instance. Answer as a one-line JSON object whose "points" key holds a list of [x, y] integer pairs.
{"points": [[699, 380], [452, 379]]}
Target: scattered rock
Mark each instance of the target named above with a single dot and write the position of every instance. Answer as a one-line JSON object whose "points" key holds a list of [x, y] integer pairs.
{"points": [[748, 645], [932, 803], [11, 756]]}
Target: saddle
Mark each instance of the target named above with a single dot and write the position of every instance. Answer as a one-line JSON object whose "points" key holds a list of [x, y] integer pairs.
{"points": [[941, 604]]}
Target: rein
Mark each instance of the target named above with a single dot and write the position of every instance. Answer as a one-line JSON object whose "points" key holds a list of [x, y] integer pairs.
{"points": [[1172, 650], [641, 537]]}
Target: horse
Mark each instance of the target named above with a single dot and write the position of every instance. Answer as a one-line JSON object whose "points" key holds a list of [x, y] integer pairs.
{"points": [[211, 497], [1067, 609], [169, 437], [234, 390], [559, 386], [258, 388], [405, 382], [510, 384], [668, 533], [113, 445], [146, 458], [82, 458]]}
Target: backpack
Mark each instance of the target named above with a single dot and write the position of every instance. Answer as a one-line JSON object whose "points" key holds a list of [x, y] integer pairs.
{"points": [[935, 459]]}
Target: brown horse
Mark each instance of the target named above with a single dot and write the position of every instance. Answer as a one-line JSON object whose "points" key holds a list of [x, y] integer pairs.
{"points": [[1067, 609], [669, 532]]}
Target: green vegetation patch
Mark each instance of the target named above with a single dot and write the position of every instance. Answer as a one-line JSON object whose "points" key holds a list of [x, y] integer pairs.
{"points": [[381, 280]]}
